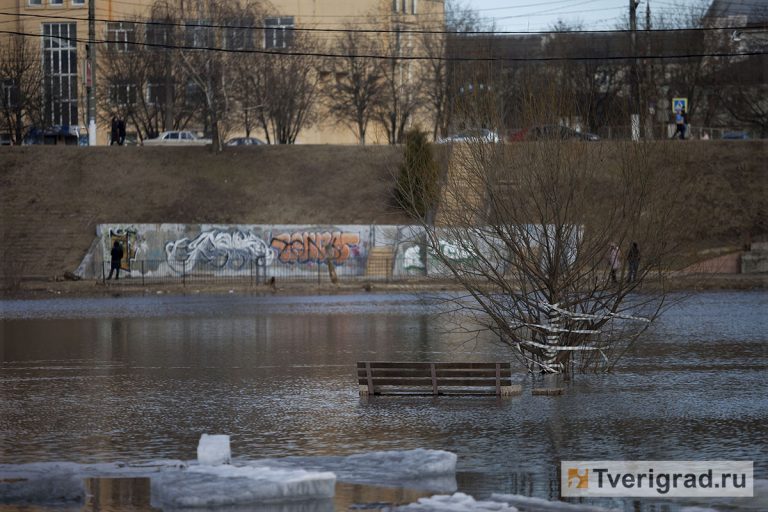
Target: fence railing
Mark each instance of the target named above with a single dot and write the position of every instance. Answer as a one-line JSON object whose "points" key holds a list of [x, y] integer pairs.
{"points": [[254, 272]]}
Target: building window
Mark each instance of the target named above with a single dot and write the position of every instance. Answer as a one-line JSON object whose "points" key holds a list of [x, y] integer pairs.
{"points": [[122, 95], [56, 3], [198, 36], [77, 3], [35, 3], [395, 5], [156, 93], [10, 94], [278, 32], [158, 35], [121, 36], [413, 6], [60, 73], [238, 37], [194, 94]]}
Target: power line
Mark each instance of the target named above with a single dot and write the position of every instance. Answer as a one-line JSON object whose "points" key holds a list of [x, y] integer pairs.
{"points": [[373, 31], [408, 57]]}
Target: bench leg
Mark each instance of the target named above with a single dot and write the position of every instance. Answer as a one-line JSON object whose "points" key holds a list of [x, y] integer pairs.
{"points": [[363, 390]]}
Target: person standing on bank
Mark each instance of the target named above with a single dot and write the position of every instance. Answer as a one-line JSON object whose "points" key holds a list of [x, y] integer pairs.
{"points": [[633, 262], [681, 123], [117, 255]]}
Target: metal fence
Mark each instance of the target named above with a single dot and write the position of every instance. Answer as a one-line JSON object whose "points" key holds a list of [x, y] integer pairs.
{"points": [[253, 272]]}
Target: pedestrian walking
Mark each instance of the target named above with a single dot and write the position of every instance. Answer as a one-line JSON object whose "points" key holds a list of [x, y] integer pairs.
{"points": [[117, 256], [614, 261], [120, 132], [681, 123], [114, 133], [633, 262]]}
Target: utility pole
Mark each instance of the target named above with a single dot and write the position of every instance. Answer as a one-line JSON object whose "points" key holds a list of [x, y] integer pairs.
{"points": [[91, 78], [634, 88]]}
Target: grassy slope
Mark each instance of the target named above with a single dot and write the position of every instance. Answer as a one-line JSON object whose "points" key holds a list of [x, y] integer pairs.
{"points": [[51, 197]]}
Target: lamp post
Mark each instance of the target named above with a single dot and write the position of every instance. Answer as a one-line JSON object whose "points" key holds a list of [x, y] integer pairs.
{"points": [[634, 89], [91, 78]]}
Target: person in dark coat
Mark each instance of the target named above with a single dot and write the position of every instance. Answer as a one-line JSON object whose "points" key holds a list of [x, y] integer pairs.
{"points": [[114, 132], [121, 131], [633, 262], [117, 255]]}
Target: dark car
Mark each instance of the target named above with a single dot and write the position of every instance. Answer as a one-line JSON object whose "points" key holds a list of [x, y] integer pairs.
{"points": [[53, 135], [5, 139], [245, 141], [552, 132], [735, 136]]}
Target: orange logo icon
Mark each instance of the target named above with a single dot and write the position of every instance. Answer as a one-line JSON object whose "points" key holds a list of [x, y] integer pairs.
{"points": [[581, 480]]}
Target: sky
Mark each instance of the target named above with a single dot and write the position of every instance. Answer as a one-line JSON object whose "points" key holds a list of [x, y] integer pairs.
{"points": [[533, 15]]}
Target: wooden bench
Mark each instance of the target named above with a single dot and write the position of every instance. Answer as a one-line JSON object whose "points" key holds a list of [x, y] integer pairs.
{"points": [[412, 378]]}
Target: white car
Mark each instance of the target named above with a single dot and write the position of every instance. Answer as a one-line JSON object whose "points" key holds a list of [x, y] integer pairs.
{"points": [[481, 135], [177, 138]]}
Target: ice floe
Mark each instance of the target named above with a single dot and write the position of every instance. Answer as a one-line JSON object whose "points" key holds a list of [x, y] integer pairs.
{"points": [[532, 503], [218, 486], [179, 484], [457, 502], [213, 450]]}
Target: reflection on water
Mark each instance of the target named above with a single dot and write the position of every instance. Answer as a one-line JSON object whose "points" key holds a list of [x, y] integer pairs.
{"points": [[141, 378]]}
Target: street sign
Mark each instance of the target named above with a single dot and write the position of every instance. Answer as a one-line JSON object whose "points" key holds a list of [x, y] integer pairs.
{"points": [[679, 104]]}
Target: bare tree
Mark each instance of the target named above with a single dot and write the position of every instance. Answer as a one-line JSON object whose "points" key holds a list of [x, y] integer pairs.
{"points": [[21, 78], [526, 229], [355, 85], [144, 81], [280, 86], [401, 91]]}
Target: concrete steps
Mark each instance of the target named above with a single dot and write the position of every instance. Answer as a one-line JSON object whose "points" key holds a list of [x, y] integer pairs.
{"points": [[380, 261]]}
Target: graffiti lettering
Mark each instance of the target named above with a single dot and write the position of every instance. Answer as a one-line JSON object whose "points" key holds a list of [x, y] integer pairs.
{"points": [[305, 247], [218, 249]]}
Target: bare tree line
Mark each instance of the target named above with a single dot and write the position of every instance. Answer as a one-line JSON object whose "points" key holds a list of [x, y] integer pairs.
{"points": [[162, 76]]}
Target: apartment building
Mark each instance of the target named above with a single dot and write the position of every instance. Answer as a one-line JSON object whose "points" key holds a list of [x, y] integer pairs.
{"points": [[58, 32]]}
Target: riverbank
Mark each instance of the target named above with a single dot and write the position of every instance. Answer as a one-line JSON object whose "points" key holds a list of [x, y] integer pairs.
{"points": [[45, 289]]}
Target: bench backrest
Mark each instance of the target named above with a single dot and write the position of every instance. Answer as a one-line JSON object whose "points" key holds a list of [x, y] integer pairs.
{"points": [[379, 377]]}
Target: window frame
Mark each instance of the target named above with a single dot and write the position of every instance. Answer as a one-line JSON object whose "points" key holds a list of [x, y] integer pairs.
{"points": [[121, 36], [278, 32]]}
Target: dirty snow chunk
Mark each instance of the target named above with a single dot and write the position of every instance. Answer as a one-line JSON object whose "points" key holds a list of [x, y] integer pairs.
{"points": [[457, 502], [408, 463], [531, 503], [213, 450], [63, 485], [217, 486]]}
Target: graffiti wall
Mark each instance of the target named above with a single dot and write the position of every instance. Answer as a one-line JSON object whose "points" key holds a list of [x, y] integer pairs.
{"points": [[173, 249], [168, 250]]}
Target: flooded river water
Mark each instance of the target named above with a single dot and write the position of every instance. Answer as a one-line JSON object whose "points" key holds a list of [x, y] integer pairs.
{"points": [[134, 379]]}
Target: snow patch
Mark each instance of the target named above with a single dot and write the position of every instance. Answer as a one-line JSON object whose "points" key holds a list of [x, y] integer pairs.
{"points": [[531, 503], [457, 502]]}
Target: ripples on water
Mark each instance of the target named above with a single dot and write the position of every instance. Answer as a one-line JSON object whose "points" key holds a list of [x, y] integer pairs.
{"points": [[141, 378]]}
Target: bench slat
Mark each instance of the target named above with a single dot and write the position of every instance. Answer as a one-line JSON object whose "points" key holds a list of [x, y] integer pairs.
{"points": [[417, 377], [438, 365], [427, 381], [426, 373]]}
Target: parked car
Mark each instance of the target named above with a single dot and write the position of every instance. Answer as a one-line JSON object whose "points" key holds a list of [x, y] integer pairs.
{"points": [[177, 138], [735, 135], [475, 135], [5, 139], [245, 141], [53, 135], [551, 132]]}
